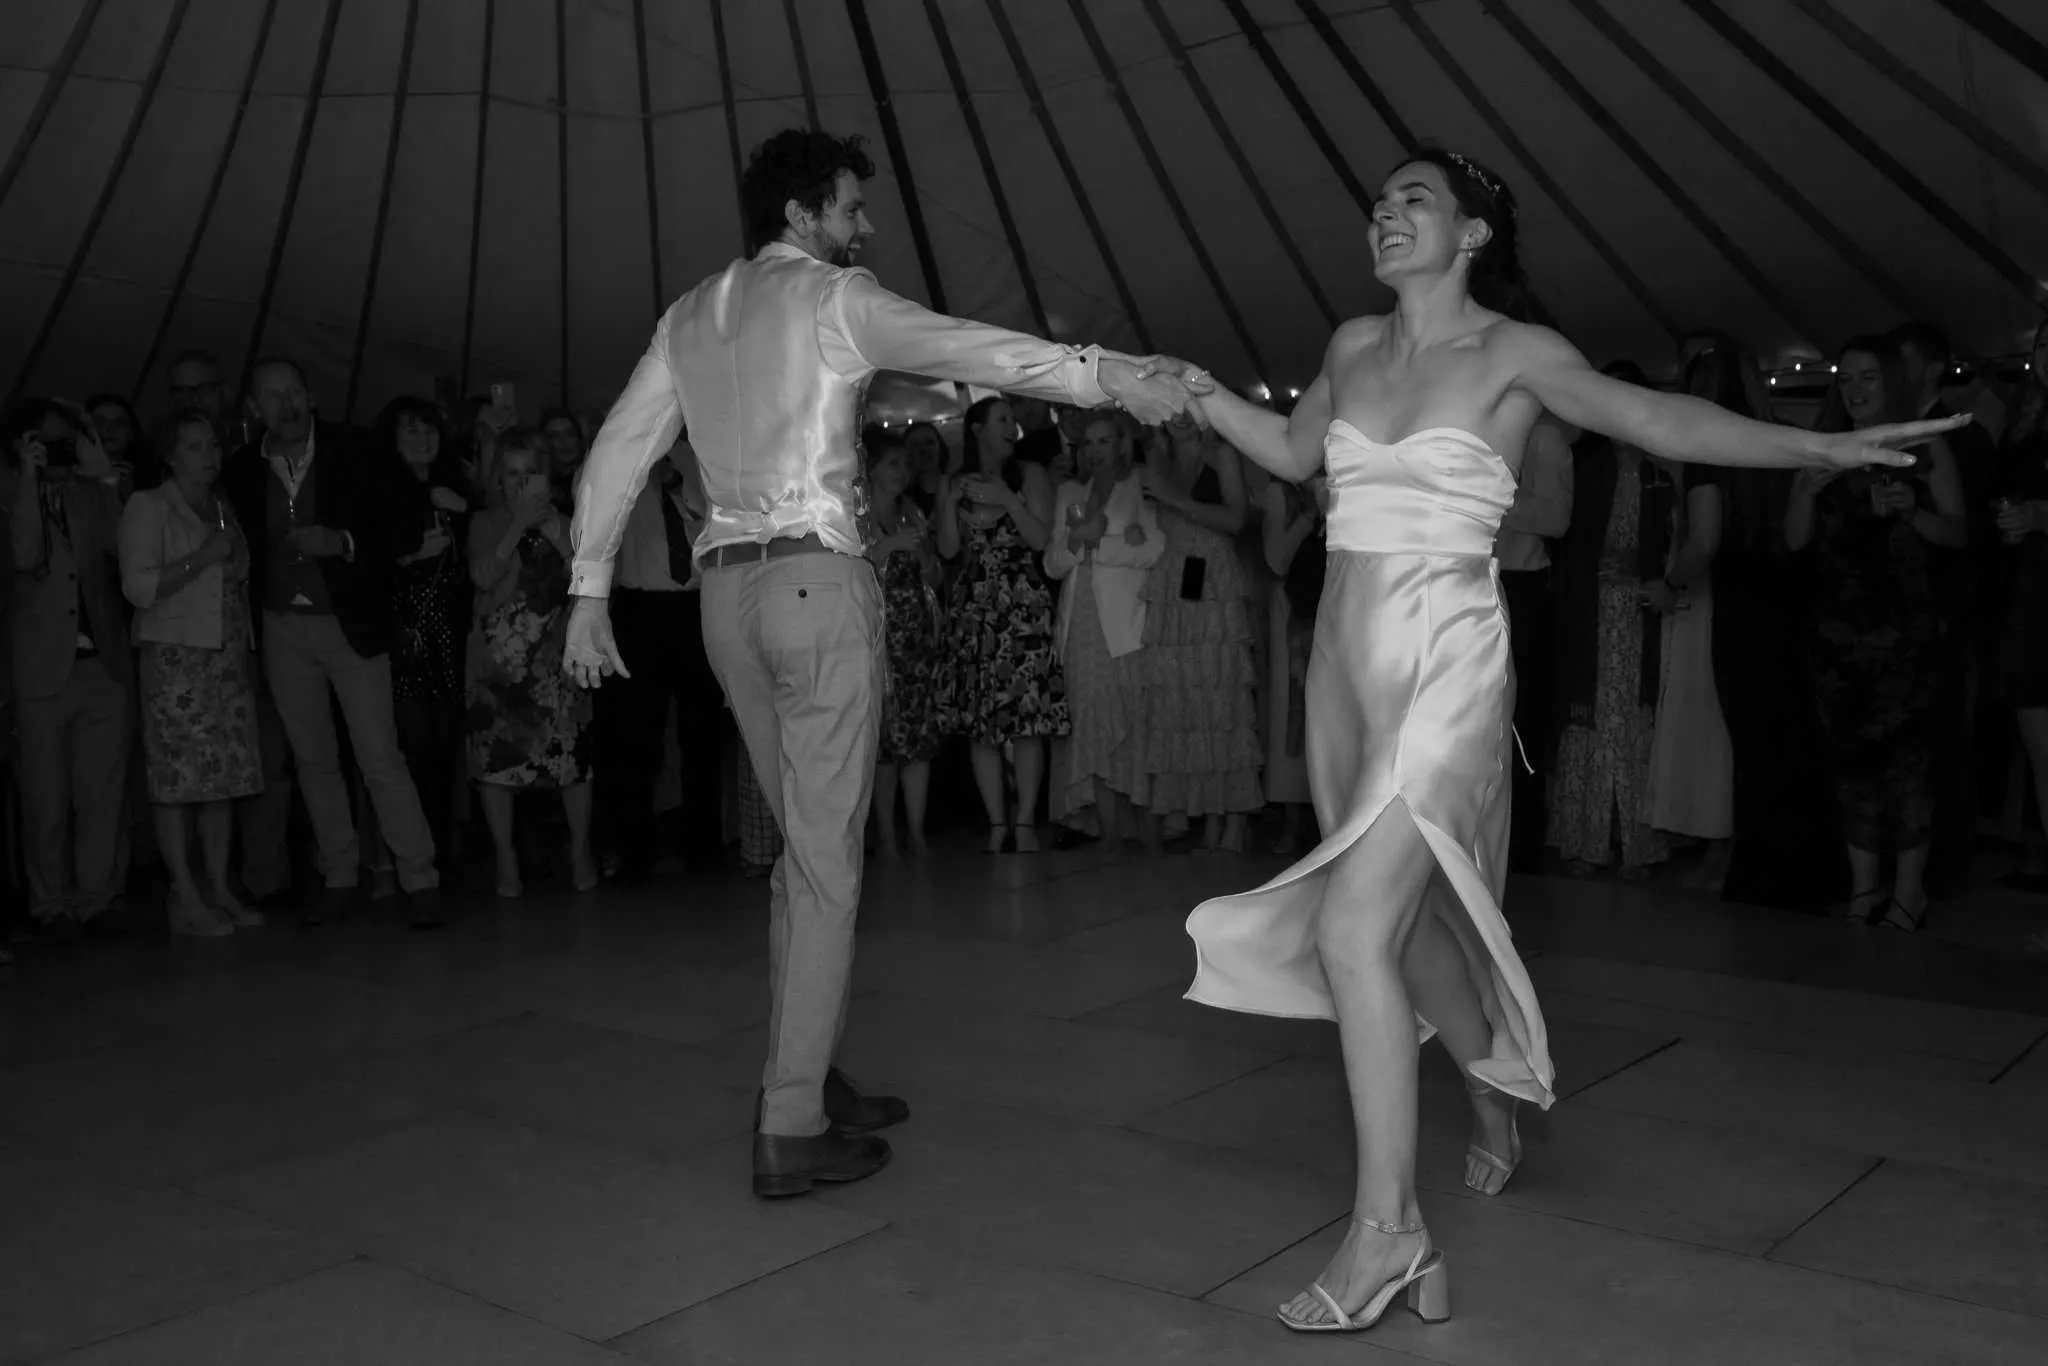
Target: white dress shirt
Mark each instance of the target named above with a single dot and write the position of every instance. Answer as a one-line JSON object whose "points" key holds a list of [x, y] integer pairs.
{"points": [[766, 363]]}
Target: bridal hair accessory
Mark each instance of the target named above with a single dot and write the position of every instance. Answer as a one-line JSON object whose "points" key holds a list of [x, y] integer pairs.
{"points": [[1486, 180]]}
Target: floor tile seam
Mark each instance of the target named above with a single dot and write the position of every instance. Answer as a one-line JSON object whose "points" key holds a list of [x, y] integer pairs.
{"points": [[187, 1183], [1006, 1014], [192, 1310], [610, 1344], [1972, 1089], [2035, 1047], [1876, 1001], [1897, 1288], [1268, 1065], [1770, 1025], [1577, 1091]]}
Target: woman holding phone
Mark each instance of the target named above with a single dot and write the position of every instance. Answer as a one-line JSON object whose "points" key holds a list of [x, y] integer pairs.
{"points": [[529, 725], [1201, 717]]}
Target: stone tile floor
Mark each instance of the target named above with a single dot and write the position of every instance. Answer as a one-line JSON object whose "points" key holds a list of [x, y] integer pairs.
{"points": [[524, 1140]]}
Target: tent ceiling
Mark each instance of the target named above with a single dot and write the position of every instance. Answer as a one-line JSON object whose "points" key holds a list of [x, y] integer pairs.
{"points": [[396, 190]]}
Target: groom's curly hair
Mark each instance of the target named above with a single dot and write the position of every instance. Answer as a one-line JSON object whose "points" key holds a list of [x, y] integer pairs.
{"points": [[801, 164]]}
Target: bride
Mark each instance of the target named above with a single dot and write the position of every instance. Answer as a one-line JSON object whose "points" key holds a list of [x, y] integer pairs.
{"points": [[1392, 926]]}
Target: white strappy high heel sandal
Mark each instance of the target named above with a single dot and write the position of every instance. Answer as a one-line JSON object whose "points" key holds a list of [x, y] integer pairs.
{"points": [[1485, 1172], [1426, 1282]]}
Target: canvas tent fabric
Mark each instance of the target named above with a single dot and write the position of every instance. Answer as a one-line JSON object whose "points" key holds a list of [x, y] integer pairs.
{"points": [[395, 191]]}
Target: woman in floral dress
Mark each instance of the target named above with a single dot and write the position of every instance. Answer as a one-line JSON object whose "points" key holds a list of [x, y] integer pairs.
{"points": [[529, 724], [185, 567], [1611, 593], [908, 566], [1005, 679]]}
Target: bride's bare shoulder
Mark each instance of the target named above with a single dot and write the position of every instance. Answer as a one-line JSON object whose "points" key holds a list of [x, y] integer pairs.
{"points": [[1352, 337]]}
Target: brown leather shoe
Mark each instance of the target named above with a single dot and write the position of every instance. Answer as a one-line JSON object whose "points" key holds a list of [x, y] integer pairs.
{"points": [[785, 1166]]}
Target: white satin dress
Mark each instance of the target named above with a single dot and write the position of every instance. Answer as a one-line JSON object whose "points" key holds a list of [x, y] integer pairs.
{"points": [[1410, 699]]}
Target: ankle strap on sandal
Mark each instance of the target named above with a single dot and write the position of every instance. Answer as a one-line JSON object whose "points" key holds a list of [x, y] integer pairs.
{"points": [[1391, 1230]]}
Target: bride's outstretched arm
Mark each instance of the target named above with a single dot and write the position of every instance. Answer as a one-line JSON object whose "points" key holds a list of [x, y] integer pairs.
{"points": [[1679, 427], [1290, 448]]}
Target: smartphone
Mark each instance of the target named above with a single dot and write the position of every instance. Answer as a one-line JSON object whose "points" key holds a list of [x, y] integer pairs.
{"points": [[60, 452], [1194, 573], [503, 395]]}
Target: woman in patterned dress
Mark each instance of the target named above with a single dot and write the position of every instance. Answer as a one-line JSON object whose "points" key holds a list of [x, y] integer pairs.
{"points": [[185, 566], [529, 724], [1201, 699], [430, 604], [908, 567], [1106, 538], [1006, 684], [1611, 595], [1877, 636]]}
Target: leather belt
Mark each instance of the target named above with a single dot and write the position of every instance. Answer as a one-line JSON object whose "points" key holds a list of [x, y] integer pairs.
{"points": [[756, 552]]}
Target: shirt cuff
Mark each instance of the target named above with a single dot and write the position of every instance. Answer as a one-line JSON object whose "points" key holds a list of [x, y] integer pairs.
{"points": [[1087, 386], [591, 579]]}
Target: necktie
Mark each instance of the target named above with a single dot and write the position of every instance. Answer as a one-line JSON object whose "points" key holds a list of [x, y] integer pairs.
{"points": [[678, 533]]}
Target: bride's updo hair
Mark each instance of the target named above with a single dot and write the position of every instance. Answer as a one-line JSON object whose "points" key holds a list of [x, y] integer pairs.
{"points": [[1496, 279]]}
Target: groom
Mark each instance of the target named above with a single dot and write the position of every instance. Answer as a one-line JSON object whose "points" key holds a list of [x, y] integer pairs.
{"points": [[767, 362]]}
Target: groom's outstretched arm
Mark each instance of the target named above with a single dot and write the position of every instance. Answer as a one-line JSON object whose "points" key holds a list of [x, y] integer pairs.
{"points": [[864, 326]]}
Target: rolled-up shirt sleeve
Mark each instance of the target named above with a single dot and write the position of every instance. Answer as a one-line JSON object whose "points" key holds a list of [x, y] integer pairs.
{"points": [[865, 327], [638, 431]]}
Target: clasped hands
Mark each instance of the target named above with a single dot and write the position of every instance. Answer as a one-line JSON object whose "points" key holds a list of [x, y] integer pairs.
{"points": [[1153, 389]]}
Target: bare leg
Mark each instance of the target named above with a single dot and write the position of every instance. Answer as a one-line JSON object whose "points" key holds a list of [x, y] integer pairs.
{"points": [[216, 839], [988, 779], [1440, 982], [1369, 909], [576, 806], [917, 784], [885, 809], [1030, 775], [497, 803], [1909, 888], [175, 847]]}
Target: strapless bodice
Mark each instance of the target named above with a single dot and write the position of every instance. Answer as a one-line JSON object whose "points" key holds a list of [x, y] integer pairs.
{"points": [[1441, 491]]}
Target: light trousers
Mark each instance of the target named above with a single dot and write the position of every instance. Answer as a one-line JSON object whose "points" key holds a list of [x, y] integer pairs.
{"points": [[797, 646]]}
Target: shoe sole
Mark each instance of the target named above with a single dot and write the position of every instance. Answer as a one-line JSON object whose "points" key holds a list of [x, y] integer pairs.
{"points": [[783, 1186]]}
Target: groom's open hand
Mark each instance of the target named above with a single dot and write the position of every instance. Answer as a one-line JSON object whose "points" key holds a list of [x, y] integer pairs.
{"points": [[1152, 389]]}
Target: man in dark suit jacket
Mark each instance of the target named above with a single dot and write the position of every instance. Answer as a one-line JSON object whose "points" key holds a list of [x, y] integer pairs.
{"points": [[73, 678], [314, 504]]}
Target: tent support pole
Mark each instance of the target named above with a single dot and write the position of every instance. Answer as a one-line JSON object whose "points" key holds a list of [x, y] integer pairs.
{"points": [[1764, 173], [143, 100], [2018, 44], [1520, 150], [1150, 152], [213, 189], [60, 75], [732, 119], [1348, 60], [803, 63], [979, 138], [562, 191], [1221, 127], [296, 177], [1865, 146], [355, 365], [647, 155], [1036, 96], [899, 155], [1920, 88], [476, 198], [1603, 118]]}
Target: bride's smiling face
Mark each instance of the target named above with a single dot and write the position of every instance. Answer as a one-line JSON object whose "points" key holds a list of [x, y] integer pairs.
{"points": [[1417, 228]]}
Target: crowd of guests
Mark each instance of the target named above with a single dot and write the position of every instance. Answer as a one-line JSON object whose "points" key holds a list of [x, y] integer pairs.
{"points": [[1095, 631]]}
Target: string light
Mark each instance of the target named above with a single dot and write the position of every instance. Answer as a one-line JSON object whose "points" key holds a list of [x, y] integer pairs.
{"points": [[1292, 392]]}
